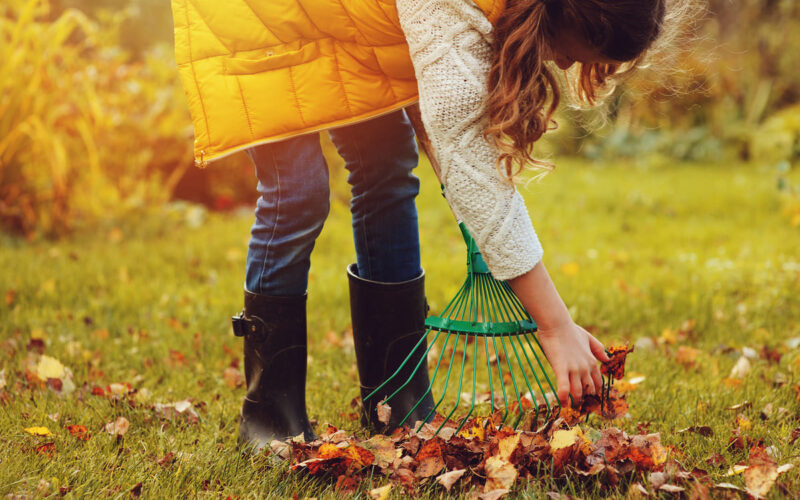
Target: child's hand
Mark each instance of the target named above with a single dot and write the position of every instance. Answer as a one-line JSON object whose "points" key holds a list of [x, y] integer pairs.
{"points": [[573, 353]]}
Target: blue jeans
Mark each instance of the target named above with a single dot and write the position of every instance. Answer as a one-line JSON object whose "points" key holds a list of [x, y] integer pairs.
{"points": [[380, 155]]}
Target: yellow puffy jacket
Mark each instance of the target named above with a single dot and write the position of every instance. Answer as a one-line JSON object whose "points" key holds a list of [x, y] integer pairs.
{"points": [[259, 71]]}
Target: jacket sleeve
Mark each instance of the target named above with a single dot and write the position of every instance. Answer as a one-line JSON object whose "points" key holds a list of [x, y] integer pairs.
{"points": [[450, 45]]}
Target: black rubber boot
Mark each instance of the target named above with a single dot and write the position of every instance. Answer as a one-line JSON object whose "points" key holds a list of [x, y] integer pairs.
{"points": [[388, 321], [275, 352]]}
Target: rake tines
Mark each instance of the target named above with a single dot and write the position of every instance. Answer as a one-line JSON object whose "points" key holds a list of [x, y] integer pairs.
{"points": [[485, 311]]}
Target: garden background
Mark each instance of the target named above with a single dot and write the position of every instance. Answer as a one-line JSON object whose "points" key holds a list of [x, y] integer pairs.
{"points": [[674, 226]]}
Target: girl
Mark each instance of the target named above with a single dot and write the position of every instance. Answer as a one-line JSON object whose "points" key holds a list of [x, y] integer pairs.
{"points": [[266, 76]]}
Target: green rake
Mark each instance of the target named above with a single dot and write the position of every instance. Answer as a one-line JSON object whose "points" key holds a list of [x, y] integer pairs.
{"points": [[484, 311]]}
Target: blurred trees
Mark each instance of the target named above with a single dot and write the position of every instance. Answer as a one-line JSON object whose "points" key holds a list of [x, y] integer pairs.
{"points": [[85, 130], [93, 119]]}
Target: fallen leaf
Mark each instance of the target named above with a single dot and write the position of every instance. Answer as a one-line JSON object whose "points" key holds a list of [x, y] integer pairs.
{"points": [[740, 369], [430, 459], [564, 438], [616, 364], [384, 412], [79, 431], [38, 431], [671, 488], [494, 494], [49, 367], [703, 430], [381, 493], [449, 478], [47, 449], [233, 378], [761, 473], [118, 427], [500, 474], [507, 445]]}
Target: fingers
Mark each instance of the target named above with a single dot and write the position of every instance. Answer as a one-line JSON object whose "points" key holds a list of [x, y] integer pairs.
{"points": [[576, 386], [563, 388], [598, 381], [597, 348]]}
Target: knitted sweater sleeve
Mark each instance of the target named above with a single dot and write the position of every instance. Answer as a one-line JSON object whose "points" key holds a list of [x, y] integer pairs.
{"points": [[450, 45]]}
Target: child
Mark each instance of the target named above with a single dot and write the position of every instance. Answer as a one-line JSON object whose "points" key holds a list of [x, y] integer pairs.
{"points": [[266, 76]]}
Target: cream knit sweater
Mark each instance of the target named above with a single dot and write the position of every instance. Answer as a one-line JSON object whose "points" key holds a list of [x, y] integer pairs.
{"points": [[450, 43]]}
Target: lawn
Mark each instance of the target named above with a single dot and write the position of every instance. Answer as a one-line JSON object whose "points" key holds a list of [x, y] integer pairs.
{"points": [[693, 263]]}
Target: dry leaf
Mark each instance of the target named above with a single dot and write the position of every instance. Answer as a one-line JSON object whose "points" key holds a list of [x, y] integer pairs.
{"points": [[494, 494], [38, 431], [384, 412], [507, 445], [118, 427], [761, 474], [381, 493], [564, 438], [79, 431], [500, 474], [49, 367], [616, 365], [449, 478], [740, 369]]}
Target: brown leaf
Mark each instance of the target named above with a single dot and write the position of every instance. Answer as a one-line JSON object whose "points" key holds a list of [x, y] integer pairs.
{"points": [[507, 445], [167, 460], [384, 412], [449, 478], [382, 448], [616, 365], [494, 494], [500, 474], [761, 473], [118, 427], [136, 491], [703, 430], [430, 459]]}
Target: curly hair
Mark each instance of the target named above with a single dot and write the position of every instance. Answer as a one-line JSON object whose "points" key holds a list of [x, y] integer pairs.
{"points": [[523, 90]]}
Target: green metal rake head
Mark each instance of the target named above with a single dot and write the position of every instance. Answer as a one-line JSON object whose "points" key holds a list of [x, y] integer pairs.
{"points": [[507, 366]]}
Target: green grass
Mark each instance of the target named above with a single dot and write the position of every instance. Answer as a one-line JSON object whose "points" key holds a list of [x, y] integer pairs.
{"points": [[654, 247]]}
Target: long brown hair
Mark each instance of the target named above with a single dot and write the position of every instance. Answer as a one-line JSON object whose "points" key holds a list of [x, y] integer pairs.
{"points": [[523, 91]]}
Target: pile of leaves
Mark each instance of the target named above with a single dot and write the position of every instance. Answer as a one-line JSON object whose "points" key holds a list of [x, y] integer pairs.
{"points": [[489, 458]]}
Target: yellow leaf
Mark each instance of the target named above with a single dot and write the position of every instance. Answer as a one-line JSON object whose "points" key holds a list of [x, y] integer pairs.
{"points": [[563, 439], [49, 368], [669, 336], [38, 334], [38, 431], [507, 445], [570, 268]]}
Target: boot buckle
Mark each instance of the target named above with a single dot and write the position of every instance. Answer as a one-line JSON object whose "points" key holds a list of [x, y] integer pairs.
{"points": [[247, 327]]}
